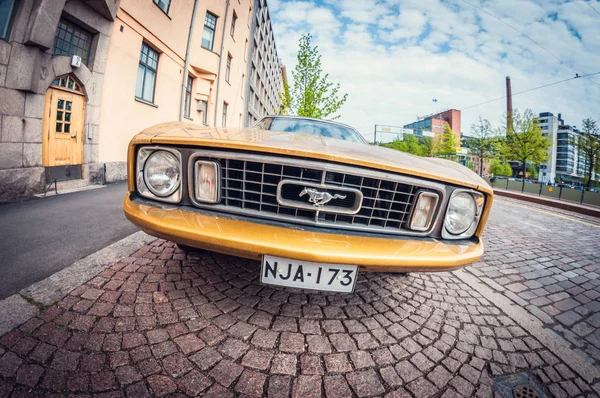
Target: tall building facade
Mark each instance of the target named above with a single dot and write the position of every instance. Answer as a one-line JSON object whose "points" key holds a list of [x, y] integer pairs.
{"points": [[233, 68], [436, 123], [565, 163], [52, 66], [79, 78], [549, 125], [265, 71]]}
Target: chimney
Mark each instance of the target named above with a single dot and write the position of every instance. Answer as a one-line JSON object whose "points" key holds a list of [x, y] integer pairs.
{"points": [[509, 108]]}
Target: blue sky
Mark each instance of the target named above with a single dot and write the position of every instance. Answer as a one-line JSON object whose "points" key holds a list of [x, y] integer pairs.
{"points": [[393, 57]]}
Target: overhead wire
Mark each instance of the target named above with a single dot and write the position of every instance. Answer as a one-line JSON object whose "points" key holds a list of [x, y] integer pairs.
{"points": [[577, 75], [588, 3], [533, 89], [521, 33]]}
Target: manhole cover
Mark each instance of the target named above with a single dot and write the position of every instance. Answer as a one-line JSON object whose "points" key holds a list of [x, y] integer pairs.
{"points": [[518, 385], [525, 391]]}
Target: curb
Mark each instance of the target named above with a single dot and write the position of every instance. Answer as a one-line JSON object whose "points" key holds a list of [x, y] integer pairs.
{"points": [[574, 207], [18, 308], [534, 326]]}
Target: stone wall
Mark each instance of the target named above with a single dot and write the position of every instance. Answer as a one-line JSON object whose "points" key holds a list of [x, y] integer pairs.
{"points": [[27, 68]]}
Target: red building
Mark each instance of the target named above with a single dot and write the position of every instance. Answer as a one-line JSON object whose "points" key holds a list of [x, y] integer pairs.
{"points": [[437, 123]]}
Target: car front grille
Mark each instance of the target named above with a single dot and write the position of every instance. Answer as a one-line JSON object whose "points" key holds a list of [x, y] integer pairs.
{"points": [[249, 187]]}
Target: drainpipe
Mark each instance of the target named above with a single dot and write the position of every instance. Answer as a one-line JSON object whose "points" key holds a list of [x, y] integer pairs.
{"points": [[249, 66], [187, 62], [221, 61]]}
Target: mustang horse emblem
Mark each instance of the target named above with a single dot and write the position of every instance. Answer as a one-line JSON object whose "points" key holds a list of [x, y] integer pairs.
{"points": [[320, 198]]}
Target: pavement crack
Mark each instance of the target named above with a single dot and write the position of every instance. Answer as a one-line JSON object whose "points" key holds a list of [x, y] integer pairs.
{"points": [[31, 301]]}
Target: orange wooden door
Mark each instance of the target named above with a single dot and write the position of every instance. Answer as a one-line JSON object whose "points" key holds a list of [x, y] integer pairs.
{"points": [[62, 142]]}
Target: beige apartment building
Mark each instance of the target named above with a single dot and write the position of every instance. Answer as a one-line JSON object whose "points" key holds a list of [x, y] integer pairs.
{"points": [[146, 69], [119, 66]]}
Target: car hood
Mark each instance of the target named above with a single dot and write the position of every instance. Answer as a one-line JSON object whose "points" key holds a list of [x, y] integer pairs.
{"points": [[315, 147]]}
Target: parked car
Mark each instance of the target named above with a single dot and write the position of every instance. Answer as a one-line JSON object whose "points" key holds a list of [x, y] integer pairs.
{"points": [[310, 198]]}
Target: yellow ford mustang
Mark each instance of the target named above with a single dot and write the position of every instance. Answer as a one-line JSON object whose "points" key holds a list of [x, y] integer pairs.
{"points": [[309, 198]]}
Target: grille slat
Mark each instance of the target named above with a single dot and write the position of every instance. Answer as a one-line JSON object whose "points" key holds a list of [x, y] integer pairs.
{"points": [[250, 187]]}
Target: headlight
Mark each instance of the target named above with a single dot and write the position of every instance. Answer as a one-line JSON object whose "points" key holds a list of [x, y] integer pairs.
{"points": [[162, 173], [159, 174], [462, 215]]}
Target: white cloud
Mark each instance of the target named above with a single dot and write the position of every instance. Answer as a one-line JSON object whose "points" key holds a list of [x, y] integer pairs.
{"points": [[393, 56]]}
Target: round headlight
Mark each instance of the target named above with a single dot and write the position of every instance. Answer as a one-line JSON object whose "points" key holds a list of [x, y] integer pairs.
{"points": [[461, 213], [162, 173]]}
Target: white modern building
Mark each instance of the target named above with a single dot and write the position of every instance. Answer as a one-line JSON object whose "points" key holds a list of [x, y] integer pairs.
{"points": [[564, 163]]}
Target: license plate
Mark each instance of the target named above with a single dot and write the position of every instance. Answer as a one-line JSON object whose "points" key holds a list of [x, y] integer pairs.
{"points": [[308, 275]]}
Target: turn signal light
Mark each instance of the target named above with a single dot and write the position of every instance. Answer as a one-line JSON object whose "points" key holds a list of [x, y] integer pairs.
{"points": [[208, 178], [423, 211]]}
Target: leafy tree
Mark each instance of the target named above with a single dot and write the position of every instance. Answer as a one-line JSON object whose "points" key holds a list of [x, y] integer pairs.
{"points": [[447, 143], [483, 141], [532, 172], [588, 146], [498, 168], [420, 146], [286, 98], [525, 141], [313, 95]]}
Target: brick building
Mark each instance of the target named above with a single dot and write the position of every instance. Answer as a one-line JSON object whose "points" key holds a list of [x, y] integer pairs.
{"points": [[437, 123]]}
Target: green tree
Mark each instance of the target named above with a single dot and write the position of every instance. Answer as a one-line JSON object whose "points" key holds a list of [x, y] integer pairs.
{"points": [[507, 170], [483, 141], [498, 168], [419, 146], [313, 95], [588, 146], [447, 142], [286, 98], [525, 141], [533, 173]]}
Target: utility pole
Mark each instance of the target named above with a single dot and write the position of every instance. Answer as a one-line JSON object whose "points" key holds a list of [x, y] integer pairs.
{"points": [[375, 135], [509, 108]]}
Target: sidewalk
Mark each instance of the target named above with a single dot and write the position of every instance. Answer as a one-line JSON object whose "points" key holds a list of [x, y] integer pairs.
{"points": [[588, 210], [43, 236]]}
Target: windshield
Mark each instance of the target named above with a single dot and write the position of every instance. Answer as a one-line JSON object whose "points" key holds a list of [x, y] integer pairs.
{"points": [[308, 126]]}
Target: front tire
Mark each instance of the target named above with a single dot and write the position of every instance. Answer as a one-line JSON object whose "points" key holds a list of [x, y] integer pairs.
{"points": [[188, 249]]}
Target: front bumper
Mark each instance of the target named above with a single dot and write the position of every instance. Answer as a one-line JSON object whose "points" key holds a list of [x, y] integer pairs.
{"points": [[231, 235]]}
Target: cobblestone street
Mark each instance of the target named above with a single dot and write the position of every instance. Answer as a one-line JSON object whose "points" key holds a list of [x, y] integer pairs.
{"points": [[160, 324]]}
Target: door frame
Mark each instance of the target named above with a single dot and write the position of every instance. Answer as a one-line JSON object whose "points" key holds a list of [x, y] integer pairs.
{"points": [[68, 84]]}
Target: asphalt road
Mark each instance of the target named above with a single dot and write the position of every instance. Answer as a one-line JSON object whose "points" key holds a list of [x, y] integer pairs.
{"points": [[42, 236]]}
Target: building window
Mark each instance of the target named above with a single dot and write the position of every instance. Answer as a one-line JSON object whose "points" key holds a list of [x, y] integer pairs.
{"points": [[224, 122], [188, 96], [7, 11], [203, 108], [208, 36], [233, 21], [228, 68], [146, 77], [163, 5], [71, 39]]}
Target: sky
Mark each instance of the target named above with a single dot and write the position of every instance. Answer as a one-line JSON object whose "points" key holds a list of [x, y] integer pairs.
{"points": [[394, 57]]}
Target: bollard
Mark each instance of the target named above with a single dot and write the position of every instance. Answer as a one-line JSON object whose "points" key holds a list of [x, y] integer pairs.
{"points": [[560, 192]]}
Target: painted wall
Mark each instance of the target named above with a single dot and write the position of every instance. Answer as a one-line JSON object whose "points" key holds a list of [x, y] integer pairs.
{"points": [[138, 21]]}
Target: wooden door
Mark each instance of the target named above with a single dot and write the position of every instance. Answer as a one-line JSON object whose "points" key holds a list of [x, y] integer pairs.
{"points": [[62, 142]]}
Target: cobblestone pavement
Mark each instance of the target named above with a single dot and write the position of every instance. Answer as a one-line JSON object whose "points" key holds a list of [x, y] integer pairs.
{"points": [[160, 324], [550, 264]]}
